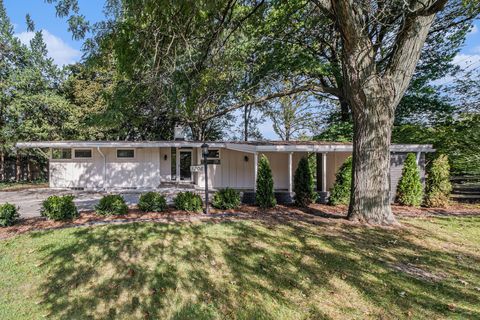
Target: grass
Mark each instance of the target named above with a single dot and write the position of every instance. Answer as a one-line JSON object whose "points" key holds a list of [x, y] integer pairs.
{"points": [[17, 186], [247, 269]]}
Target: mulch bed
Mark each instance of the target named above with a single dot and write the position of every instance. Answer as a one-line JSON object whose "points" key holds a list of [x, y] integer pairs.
{"points": [[316, 213]]}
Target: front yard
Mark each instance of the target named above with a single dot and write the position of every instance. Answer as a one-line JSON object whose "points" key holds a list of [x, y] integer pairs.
{"points": [[268, 266]]}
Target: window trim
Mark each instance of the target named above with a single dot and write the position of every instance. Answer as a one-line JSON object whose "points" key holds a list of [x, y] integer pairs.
{"points": [[61, 159], [82, 149], [126, 158]]}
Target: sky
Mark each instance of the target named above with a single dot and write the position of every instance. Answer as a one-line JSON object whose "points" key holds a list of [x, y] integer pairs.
{"points": [[64, 50]]}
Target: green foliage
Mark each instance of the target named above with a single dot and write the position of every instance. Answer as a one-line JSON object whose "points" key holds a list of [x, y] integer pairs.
{"points": [[59, 208], [303, 184], [188, 201], [338, 131], [340, 193], [112, 204], [409, 188], [438, 186], [225, 199], [265, 196], [459, 139], [152, 202], [8, 214]]}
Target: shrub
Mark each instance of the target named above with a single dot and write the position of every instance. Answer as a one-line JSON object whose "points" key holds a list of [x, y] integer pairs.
{"points": [[340, 193], [303, 184], [410, 189], [226, 199], [438, 186], [188, 201], [59, 208], [8, 214], [265, 196], [152, 202], [112, 204]]}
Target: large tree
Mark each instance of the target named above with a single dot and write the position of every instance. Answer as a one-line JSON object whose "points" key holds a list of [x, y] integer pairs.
{"points": [[364, 53]]}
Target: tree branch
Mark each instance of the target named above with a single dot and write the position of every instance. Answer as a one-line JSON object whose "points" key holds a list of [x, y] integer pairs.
{"points": [[314, 88]]}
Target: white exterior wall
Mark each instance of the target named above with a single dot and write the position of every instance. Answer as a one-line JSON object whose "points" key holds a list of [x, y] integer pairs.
{"points": [[165, 164], [334, 162], [77, 173], [143, 171], [233, 171]]}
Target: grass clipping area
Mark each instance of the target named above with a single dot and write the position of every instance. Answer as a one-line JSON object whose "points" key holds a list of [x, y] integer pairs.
{"points": [[264, 268]]}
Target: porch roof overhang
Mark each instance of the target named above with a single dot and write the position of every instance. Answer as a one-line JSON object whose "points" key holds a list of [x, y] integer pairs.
{"points": [[250, 147]]}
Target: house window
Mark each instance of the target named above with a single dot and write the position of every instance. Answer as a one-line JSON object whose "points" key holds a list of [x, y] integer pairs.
{"points": [[213, 157], [62, 154], [83, 153], [126, 153]]}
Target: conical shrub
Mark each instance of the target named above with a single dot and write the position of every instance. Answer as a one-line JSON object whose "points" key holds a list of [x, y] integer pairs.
{"points": [[438, 186], [303, 184], [265, 196], [410, 189], [340, 193]]}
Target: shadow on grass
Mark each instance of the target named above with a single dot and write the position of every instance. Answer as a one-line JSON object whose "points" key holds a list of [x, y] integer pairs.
{"points": [[261, 269]]}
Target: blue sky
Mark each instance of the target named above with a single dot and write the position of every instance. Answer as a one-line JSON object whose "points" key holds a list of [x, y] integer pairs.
{"points": [[63, 49]]}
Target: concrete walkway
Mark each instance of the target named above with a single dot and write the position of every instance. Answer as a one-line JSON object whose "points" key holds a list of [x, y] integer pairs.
{"points": [[30, 201]]}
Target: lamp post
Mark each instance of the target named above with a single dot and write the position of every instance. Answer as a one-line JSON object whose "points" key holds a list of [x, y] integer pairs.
{"points": [[205, 164]]}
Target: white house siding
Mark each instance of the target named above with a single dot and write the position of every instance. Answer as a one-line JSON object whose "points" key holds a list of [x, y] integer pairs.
{"points": [[165, 164], [233, 171], [143, 171], [334, 162], [77, 173]]}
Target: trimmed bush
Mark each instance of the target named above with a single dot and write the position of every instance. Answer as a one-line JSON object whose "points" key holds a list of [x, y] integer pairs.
{"points": [[303, 184], [438, 186], [265, 196], [8, 214], [152, 202], [59, 208], [226, 199], [410, 189], [188, 201], [112, 204], [340, 193]]}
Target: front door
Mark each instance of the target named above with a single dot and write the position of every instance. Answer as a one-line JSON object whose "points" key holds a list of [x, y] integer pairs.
{"points": [[185, 163]]}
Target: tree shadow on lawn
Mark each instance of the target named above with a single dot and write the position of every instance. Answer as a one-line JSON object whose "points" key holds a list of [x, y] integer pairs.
{"points": [[263, 269]]}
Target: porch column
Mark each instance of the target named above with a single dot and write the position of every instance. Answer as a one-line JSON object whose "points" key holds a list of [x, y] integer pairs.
{"points": [[255, 168], [324, 172], [177, 164], [290, 189]]}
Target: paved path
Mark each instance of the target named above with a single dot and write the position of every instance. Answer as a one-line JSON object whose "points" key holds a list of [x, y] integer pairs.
{"points": [[30, 201]]}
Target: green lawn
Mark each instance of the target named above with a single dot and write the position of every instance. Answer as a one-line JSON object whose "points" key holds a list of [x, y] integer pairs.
{"points": [[252, 269]]}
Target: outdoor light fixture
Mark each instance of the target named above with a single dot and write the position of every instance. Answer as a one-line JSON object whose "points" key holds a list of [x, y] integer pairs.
{"points": [[245, 158], [165, 157], [205, 164]]}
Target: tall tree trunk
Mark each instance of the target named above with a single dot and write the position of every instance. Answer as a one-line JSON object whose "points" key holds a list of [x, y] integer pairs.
{"points": [[373, 96], [370, 191]]}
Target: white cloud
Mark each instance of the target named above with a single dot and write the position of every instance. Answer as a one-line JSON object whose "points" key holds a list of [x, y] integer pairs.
{"points": [[58, 49]]}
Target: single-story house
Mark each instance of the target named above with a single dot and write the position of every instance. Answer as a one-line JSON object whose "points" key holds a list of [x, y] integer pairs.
{"points": [[106, 165]]}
